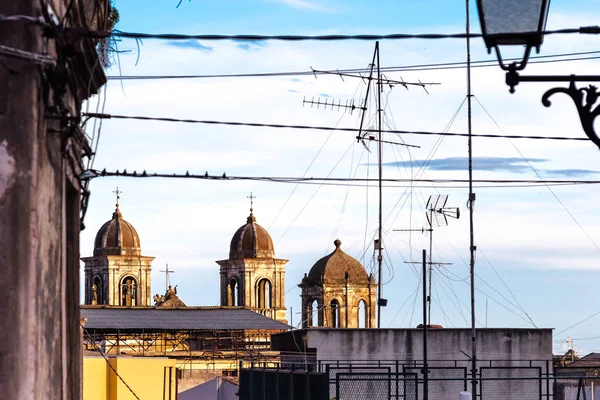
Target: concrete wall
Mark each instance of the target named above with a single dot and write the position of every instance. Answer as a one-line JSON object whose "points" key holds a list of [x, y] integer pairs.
{"points": [[40, 348], [407, 344], [448, 357]]}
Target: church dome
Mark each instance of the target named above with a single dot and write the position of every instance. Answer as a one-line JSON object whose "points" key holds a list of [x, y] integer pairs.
{"points": [[117, 237], [251, 241], [332, 269]]}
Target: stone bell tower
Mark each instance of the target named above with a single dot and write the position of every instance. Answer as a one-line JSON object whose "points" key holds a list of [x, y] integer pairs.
{"points": [[338, 293], [252, 276], [118, 274]]}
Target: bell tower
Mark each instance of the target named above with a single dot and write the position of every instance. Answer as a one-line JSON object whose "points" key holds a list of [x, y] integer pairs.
{"points": [[118, 274], [252, 277]]}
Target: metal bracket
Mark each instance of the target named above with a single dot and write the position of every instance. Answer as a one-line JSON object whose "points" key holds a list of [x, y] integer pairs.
{"points": [[584, 99]]}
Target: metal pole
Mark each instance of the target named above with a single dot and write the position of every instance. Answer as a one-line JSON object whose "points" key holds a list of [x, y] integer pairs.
{"points": [[380, 155], [430, 264], [471, 203], [425, 368]]}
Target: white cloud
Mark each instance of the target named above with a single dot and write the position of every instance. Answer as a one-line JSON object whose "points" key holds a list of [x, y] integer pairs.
{"points": [[189, 223]]}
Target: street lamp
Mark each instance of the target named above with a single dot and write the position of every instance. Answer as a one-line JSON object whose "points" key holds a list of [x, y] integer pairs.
{"points": [[522, 23], [513, 23]]}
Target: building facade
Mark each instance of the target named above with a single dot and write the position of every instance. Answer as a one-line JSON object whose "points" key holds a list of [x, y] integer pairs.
{"points": [[252, 277], [338, 293], [118, 274]]}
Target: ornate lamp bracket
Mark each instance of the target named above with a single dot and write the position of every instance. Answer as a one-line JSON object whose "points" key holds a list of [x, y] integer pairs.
{"points": [[585, 99]]}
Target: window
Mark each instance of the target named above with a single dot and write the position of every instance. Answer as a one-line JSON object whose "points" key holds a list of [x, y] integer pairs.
{"points": [[313, 314], [128, 291], [233, 293], [263, 294], [335, 313], [362, 314]]}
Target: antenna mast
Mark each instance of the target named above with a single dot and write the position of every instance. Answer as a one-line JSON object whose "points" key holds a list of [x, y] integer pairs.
{"points": [[379, 156], [471, 203]]}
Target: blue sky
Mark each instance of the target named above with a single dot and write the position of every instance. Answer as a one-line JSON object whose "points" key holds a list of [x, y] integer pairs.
{"points": [[537, 249]]}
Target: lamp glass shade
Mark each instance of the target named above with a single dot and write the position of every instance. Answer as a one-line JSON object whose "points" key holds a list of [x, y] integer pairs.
{"points": [[513, 22]]}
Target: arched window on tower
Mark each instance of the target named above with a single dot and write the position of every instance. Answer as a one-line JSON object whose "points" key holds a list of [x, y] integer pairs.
{"points": [[128, 291], [362, 314], [312, 317], [233, 292], [263, 293], [97, 291], [335, 313]]}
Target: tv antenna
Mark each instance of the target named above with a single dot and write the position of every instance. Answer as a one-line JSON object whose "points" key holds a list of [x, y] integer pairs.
{"points": [[348, 106], [437, 216], [375, 75]]}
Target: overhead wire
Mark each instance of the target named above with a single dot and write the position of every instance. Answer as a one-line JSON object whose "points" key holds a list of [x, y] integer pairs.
{"points": [[91, 340], [563, 205], [456, 302], [314, 194], [506, 287], [323, 128], [94, 174], [577, 323], [84, 32], [304, 174], [403, 68], [516, 306]]}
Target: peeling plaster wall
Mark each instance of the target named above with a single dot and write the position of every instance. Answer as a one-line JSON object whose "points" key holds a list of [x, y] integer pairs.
{"points": [[40, 345], [407, 344], [443, 344], [510, 347]]}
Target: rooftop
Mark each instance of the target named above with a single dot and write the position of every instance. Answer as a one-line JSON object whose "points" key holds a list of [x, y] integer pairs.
{"points": [[107, 318]]}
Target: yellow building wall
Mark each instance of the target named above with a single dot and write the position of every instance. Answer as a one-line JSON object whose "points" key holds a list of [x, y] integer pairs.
{"points": [[150, 378]]}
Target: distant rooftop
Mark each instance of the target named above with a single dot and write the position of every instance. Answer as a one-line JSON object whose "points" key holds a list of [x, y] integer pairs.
{"points": [[102, 318]]}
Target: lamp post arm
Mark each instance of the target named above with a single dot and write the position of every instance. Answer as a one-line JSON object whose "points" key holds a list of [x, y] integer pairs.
{"points": [[513, 78], [584, 99]]}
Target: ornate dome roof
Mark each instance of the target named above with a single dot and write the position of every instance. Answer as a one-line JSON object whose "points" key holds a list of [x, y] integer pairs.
{"points": [[251, 241], [117, 237], [332, 269]]}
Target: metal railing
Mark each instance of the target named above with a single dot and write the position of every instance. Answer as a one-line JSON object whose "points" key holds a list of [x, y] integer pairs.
{"points": [[404, 380]]}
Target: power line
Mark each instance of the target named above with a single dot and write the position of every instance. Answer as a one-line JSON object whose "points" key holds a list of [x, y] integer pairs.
{"points": [[577, 323], [322, 128], [298, 38], [540, 177], [91, 174], [92, 341], [403, 68]]}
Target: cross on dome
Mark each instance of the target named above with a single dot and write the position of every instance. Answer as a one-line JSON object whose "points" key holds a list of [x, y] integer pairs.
{"points": [[251, 197], [118, 193]]}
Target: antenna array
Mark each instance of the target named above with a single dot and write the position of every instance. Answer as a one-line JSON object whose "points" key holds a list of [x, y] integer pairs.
{"points": [[333, 106]]}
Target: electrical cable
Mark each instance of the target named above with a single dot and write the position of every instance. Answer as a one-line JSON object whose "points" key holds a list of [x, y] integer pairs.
{"points": [[540, 178], [91, 340], [83, 32], [402, 68], [507, 288], [516, 306], [93, 174], [26, 55], [323, 128], [314, 194], [402, 306], [577, 323], [23, 18]]}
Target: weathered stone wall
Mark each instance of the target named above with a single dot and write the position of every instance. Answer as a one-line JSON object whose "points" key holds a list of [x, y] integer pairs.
{"points": [[39, 218], [407, 344]]}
